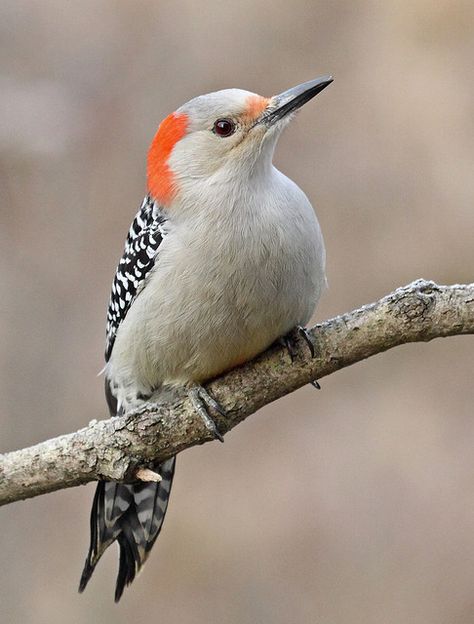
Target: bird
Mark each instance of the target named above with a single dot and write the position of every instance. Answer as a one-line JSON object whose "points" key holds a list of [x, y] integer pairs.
{"points": [[224, 257]]}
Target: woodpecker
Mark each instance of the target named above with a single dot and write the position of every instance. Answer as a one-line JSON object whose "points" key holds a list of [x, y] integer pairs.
{"points": [[224, 257]]}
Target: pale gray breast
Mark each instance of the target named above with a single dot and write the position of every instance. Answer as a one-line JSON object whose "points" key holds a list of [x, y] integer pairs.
{"points": [[222, 291]]}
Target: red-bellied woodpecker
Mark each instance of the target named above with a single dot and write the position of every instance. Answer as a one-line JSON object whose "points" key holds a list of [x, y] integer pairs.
{"points": [[224, 257]]}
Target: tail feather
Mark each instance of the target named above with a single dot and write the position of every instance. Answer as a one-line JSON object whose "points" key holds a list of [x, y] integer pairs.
{"points": [[127, 566], [133, 515], [117, 500]]}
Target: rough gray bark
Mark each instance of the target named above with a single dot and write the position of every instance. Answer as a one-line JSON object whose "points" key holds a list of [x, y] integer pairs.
{"points": [[116, 448]]}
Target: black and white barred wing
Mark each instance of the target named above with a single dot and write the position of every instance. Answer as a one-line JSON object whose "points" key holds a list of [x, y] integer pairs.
{"points": [[144, 238], [131, 514]]}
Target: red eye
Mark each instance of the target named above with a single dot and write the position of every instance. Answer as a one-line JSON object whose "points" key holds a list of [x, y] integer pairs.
{"points": [[224, 127]]}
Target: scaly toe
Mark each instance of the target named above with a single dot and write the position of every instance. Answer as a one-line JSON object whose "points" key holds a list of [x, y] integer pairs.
{"points": [[201, 401], [287, 343], [304, 333]]}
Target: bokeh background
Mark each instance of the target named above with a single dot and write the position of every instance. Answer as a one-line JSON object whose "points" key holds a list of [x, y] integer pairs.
{"points": [[353, 504]]}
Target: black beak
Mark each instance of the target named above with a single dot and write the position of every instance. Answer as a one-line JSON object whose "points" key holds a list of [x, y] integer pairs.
{"points": [[294, 98]]}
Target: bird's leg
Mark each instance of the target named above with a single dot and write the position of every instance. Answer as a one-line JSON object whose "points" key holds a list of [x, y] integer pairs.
{"points": [[288, 341], [202, 401]]}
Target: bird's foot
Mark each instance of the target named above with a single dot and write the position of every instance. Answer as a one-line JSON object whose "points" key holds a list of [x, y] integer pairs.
{"points": [[289, 342], [304, 333], [202, 401]]}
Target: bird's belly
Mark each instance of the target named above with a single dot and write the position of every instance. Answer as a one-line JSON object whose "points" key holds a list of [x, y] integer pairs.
{"points": [[186, 326], [208, 308]]}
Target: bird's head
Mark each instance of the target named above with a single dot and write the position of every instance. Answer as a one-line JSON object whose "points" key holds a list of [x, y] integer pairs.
{"points": [[221, 135]]}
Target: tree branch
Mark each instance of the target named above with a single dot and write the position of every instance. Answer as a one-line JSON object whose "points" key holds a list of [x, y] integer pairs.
{"points": [[116, 448]]}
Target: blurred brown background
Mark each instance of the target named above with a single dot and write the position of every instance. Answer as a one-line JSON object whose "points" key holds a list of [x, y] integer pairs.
{"points": [[351, 505]]}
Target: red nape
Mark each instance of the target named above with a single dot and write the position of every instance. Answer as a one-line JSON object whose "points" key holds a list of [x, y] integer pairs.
{"points": [[159, 175]]}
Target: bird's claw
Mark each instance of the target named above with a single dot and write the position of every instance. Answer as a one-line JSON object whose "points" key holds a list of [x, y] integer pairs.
{"points": [[304, 333], [288, 342], [202, 401]]}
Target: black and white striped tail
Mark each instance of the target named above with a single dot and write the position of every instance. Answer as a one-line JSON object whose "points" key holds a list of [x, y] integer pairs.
{"points": [[133, 515]]}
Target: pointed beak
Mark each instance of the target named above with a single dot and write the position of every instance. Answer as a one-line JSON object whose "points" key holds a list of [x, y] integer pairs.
{"points": [[289, 101]]}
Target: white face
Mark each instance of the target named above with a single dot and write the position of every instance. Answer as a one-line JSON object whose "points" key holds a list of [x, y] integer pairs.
{"points": [[219, 137], [222, 135]]}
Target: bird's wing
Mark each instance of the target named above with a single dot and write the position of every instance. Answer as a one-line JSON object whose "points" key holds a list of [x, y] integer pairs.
{"points": [[131, 513], [144, 238]]}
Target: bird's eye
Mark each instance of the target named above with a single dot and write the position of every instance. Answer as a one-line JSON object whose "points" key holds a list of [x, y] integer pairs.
{"points": [[224, 127]]}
